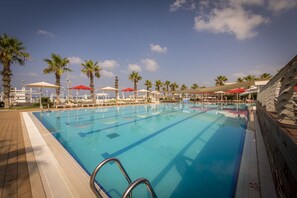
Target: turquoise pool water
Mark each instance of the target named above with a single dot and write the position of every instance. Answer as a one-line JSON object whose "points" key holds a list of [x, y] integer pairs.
{"points": [[184, 150]]}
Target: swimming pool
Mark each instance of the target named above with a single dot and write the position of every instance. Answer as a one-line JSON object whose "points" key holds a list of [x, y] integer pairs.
{"points": [[183, 149]]}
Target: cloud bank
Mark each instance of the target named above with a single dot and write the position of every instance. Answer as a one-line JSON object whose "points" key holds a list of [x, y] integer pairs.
{"points": [[75, 60], [108, 64], [240, 18]]}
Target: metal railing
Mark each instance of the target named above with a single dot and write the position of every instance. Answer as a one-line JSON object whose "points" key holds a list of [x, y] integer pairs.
{"points": [[131, 186]]}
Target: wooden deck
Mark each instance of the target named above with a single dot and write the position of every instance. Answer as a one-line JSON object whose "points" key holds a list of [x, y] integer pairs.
{"points": [[14, 174]]}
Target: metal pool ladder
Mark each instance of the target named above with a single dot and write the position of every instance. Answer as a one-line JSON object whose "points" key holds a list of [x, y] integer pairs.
{"points": [[131, 186]]}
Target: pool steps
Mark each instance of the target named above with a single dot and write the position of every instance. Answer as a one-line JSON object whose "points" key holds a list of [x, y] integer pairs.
{"points": [[132, 185]]}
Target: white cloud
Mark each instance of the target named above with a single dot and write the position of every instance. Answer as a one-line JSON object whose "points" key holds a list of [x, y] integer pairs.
{"points": [[108, 64], [176, 5], [280, 5], [150, 64], [75, 60], [107, 73], [134, 67], [158, 48], [231, 20], [44, 32]]}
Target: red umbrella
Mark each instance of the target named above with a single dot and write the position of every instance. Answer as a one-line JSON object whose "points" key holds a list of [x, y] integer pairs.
{"points": [[128, 90], [237, 90], [81, 87]]}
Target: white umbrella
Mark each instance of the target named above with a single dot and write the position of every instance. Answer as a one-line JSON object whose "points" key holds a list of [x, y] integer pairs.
{"points": [[108, 89], [42, 85], [143, 90]]}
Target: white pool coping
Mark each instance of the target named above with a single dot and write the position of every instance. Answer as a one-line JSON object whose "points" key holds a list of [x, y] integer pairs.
{"points": [[60, 174]]}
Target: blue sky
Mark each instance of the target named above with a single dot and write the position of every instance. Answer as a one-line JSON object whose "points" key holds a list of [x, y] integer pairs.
{"points": [[183, 41]]}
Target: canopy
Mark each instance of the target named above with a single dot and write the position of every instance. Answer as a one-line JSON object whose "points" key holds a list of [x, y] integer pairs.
{"points": [[81, 87], [128, 89], [143, 90], [42, 85], [155, 92], [108, 89], [237, 90]]}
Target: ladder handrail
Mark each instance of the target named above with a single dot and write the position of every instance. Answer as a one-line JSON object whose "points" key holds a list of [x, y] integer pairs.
{"points": [[149, 187], [92, 180]]}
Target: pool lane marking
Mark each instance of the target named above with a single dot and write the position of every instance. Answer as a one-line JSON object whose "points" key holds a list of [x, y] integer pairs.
{"points": [[125, 149]]}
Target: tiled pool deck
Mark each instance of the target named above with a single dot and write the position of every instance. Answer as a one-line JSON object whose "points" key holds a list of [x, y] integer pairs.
{"points": [[21, 177]]}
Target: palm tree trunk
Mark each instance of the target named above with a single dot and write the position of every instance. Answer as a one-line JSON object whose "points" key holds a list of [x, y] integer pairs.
{"points": [[6, 73], [92, 86], [135, 89], [58, 77]]}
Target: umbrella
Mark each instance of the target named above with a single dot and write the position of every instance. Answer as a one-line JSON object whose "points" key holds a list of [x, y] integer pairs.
{"points": [[108, 89], [143, 90], [80, 87], [128, 89], [42, 85], [237, 91]]}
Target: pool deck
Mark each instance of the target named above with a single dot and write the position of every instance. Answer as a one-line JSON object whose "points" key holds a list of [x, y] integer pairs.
{"points": [[21, 177]]}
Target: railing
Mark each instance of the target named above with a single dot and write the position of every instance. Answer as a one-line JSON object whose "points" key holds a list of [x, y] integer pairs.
{"points": [[279, 94], [131, 186], [137, 182]]}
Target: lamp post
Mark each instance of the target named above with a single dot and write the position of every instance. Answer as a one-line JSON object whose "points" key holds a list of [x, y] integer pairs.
{"points": [[68, 86]]}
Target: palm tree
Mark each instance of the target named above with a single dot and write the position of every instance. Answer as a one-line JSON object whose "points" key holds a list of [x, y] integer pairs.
{"points": [[173, 86], [195, 86], [220, 80], [116, 86], [11, 51], [158, 85], [249, 78], [167, 84], [148, 85], [134, 77], [183, 87], [91, 69], [239, 79], [265, 76], [58, 66]]}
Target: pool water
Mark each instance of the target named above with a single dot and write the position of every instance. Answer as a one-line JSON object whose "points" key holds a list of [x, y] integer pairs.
{"points": [[183, 149]]}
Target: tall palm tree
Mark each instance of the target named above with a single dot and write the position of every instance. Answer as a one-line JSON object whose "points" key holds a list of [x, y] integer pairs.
{"points": [[173, 86], [265, 76], [239, 79], [195, 86], [220, 80], [116, 86], [249, 78], [58, 66], [167, 84], [148, 85], [91, 69], [135, 77], [11, 51], [158, 85]]}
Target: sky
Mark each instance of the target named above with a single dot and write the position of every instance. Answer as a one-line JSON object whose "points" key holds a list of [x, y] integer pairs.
{"points": [[183, 41]]}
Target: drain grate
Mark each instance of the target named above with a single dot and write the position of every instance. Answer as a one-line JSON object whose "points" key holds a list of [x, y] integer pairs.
{"points": [[112, 135]]}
